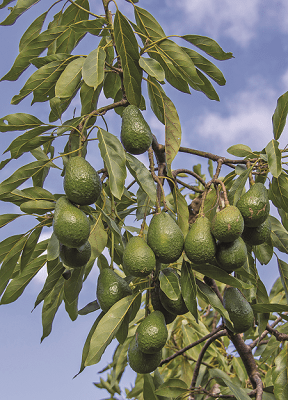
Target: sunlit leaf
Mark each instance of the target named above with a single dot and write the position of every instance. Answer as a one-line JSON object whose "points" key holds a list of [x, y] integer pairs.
{"points": [[283, 271], [269, 307], [18, 10], [280, 375], [91, 26], [237, 187], [280, 115], [30, 247], [148, 24], [279, 235], [32, 31], [6, 218], [237, 390], [72, 288], [149, 388], [182, 211], [208, 45], [18, 122], [51, 304], [274, 158], [69, 78], [93, 67], [189, 289], [240, 150], [173, 388], [152, 68], [169, 284], [279, 190]]}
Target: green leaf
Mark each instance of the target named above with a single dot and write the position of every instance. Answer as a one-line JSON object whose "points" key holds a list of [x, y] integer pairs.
{"points": [[208, 45], [280, 375], [98, 237], [236, 390], [55, 270], [127, 48], [5, 3], [94, 27], [149, 388], [51, 304], [237, 187], [148, 24], [280, 115], [39, 207], [107, 329], [152, 68], [90, 307], [6, 218], [274, 158], [20, 176], [112, 84], [182, 210], [19, 283], [33, 31], [240, 150], [206, 87], [18, 10], [19, 122], [7, 245], [189, 289], [210, 297], [69, 79], [142, 176], [279, 190], [114, 158], [72, 288], [93, 67], [283, 271], [169, 284], [264, 252], [30, 247], [172, 388], [279, 235], [156, 102], [269, 307]]}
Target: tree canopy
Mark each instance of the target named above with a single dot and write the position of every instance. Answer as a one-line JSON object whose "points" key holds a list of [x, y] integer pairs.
{"points": [[131, 63]]}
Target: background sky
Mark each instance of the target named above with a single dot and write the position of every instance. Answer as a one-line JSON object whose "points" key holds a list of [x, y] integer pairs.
{"points": [[256, 32]]}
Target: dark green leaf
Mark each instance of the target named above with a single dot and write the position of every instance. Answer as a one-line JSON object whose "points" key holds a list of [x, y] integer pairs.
{"points": [[112, 85], [280, 115], [69, 79], [50, 307], [269, 307], [240, 150], [169, 284], [274, 158], [280, 375], [182, 211], [279, 235], [172, 388], [98, 237], [152, 68], [18, 10], [238, 185], [206, 87], [93, 67], [5, 3], [156, 102], [127, 47], [30, 247], [149, 388], [7, 245], [283, 271], [18, 284], [107, 329], [189, 289], [208, 45], [114, 158], [33, 31], [72, 288], [148, 24], [93, 26], [279, 190], [90, 307], [236, 390], [142, 176], [6, 218], [39, 207], [89, 98], [264, 252]]}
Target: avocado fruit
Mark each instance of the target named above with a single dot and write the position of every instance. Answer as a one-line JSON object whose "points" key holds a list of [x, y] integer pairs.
{"points": [[200, 245], [176, 306], [73, 257], [138, 258], [136, 135], [254, 205], [258, 235], [231, 255], [165, 238], [239, 310], [140, 362], [82, 184], [157, 305], [227, 224], [70, 224], [152, 333], [111, 288]]}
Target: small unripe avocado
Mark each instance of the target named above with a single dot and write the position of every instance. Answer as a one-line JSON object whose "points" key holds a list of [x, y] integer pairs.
{"points": [[151, 334], [258, 235], [110, 288], [75, 258], [165, 238], [239, 310], [254, 205], [82, 183], [138, 258], [227, 224], [200, 245], [70, 224], [136, 135], [140, 362], [231, 255]]}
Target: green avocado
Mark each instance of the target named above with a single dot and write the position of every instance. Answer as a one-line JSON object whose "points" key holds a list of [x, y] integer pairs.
{"points": [[71, 225], [254, 205], [200, 245], [227, 224], [110, 288], [231, 255], [138, 258], [82, 183], [140, 362], [157, 305], [151, 334], [258, 235], [136, 135], [176, 306], [239, 310], [75, 258], [165, 238]]}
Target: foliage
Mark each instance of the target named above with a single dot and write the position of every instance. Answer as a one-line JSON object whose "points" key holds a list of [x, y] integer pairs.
{"points": [[131, 57]]}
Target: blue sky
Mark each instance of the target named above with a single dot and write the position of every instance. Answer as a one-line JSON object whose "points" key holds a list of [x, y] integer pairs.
{"points": [[256, 32]]}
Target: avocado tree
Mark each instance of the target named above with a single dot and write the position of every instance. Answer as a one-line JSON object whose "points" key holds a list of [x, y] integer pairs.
{"points": [[201, 244]]}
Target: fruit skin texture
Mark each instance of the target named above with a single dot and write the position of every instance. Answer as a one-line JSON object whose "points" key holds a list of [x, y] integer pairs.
{"points": [[71, 225], [136, 135], [75, 258], [239, 310], [165, 238], [177, 306], [228, 224], [152, 334], [232, 255], [82, 183], [200, 245], [140, 362], [138, 258], [254, 205], [258, 235], [110, 288]]}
